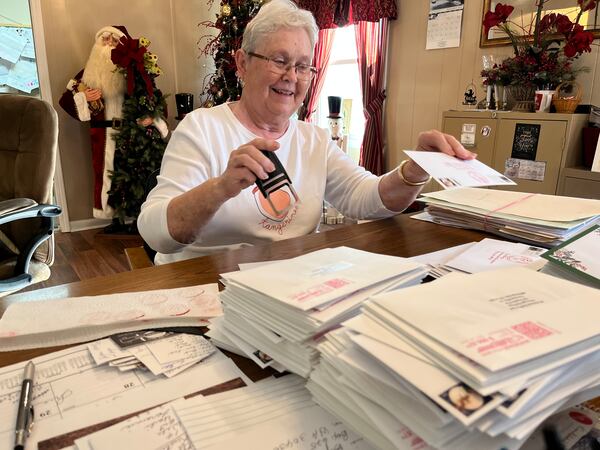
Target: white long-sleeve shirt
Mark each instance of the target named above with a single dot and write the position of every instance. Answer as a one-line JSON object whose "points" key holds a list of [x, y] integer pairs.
{"points": [[199, 149]]}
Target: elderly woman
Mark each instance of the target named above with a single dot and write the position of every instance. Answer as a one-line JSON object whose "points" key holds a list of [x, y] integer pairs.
{"points": [[206, 199]]}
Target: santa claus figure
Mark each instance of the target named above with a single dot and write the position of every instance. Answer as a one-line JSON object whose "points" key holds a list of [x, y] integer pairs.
{"points": [[96, 95]]}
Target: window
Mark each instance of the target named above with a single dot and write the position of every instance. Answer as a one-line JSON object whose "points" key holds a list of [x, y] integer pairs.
{"points": [[342, 80]]}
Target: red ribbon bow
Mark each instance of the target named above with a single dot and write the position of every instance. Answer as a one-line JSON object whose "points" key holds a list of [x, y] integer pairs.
{"points": [[129, 55]]}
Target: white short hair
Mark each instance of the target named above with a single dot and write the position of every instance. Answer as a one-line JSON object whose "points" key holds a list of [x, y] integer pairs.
{"points": [[275, 15]]}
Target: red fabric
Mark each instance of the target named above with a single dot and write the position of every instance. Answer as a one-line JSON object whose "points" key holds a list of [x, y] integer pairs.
{"points": [[337, 13], [320, 61], [98, 136], [371, 48], [372, 11]]}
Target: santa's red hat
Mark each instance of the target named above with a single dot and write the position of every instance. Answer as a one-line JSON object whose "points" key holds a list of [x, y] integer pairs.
{"points": [[117, 30]]}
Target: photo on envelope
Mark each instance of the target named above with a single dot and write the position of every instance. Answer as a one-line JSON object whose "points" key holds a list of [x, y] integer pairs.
{"points": [[465, 399]]}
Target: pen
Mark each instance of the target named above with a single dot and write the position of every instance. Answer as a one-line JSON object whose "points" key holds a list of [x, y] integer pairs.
{"points": [[25, 412]]}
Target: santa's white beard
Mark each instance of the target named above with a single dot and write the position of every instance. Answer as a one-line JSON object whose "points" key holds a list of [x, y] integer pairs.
{"points": [[101, 73]]}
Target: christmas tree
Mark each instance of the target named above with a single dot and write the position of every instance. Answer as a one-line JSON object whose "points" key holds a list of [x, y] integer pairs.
{"points": [[138, 148], [223, 85]]}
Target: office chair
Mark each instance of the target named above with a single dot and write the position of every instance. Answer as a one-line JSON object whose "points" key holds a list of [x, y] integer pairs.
{"points": [[28, 148]]}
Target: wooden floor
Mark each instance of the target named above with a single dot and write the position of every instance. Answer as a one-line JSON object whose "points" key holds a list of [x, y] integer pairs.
{"points": [[88, 254]]}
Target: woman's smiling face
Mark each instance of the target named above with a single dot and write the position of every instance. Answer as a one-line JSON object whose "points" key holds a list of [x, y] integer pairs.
{"points": [[269, 93]]}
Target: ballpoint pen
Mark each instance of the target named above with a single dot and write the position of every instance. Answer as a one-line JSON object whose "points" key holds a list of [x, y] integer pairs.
{"points": [[25, 412]]}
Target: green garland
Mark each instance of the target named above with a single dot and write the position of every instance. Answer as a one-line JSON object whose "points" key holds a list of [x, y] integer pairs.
{"points": [[138, 149]]}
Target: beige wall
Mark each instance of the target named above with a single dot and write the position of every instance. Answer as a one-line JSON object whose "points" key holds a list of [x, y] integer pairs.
{"points": [[69, 28], [423, 83]]}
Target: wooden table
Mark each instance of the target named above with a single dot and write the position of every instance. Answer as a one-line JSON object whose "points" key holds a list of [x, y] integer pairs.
{"points": [[399, 236]]}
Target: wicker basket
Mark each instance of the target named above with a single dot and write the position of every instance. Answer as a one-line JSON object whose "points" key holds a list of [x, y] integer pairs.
{"points": [[567, 105]]}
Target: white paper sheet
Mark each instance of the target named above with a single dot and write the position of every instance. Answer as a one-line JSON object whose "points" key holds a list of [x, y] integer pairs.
{"points": [[157, 429], [451, 172], [66, 321], [71, 392], [270, 414]]}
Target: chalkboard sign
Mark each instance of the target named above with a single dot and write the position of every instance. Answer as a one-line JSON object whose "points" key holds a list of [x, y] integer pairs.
{"points": [[525, 142]]}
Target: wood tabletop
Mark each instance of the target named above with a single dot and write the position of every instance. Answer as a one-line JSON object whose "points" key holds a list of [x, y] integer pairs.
{"points": [[399, 236]]}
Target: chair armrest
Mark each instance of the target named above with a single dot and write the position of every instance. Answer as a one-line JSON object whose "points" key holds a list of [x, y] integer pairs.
{"points": [[17, 209], [23, 208], [15, 204]]}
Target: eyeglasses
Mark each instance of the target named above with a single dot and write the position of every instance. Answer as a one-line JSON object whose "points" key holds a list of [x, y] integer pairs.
{"points": [[279, 65]]}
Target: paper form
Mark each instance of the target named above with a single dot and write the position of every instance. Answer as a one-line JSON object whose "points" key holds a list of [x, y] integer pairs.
{"points": [[23, 76], [12, 43], [66, 321], [71, 392]]}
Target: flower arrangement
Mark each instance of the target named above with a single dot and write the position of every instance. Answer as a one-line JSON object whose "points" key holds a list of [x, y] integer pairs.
{"points": [[544, 51]]}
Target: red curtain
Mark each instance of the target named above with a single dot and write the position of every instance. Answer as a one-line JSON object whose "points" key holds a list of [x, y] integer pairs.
{"points": [[320, 61], [371, 48], [338, 13]]}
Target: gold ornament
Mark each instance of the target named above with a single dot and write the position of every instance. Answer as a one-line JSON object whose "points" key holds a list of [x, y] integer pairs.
{"points": [[225, 10]]}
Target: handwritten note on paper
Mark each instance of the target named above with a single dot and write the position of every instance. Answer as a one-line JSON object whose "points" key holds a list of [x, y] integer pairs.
{"points": [[311, 428], [71, 392], [158, 428], [451, 172], [70, 320]]}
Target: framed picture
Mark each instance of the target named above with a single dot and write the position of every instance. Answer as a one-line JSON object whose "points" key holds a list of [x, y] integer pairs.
{"points": [[524, 12]]}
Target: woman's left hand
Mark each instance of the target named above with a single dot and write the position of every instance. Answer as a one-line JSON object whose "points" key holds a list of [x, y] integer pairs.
{"points": [[436, 141]]}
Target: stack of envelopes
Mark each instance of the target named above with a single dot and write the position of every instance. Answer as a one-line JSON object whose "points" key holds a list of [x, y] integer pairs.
{"points": [[465, 362], [487, 254], [274, 313], [539, 219]]}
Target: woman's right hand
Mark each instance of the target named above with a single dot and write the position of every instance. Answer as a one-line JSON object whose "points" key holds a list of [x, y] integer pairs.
{"points": [[245, 165]]}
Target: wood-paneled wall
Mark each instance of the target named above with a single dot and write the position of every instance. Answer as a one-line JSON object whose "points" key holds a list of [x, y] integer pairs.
{"points": [[421, 84]]}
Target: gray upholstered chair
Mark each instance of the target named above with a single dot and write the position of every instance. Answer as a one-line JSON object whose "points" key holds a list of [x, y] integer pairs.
{"points": [[28, 148]]}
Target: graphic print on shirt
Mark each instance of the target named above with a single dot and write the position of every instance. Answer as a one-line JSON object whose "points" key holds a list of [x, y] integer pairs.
{"points": [[284, 201]]}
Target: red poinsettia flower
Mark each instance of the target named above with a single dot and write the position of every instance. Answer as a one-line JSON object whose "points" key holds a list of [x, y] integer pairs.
{"points": [[586, 5], [563, 24], [555, 23], [498, 16], [580, 41]]}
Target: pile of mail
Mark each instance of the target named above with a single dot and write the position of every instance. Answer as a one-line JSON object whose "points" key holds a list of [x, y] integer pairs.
{"points": [[274, 312], [161, 352], [545, 220], [464, 362], [487, 254]]}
